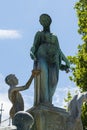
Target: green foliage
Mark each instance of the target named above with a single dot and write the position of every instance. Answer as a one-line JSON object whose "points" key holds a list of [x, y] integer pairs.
{"points": [[69, 97], [81, 8], [79, 61], [79, 67], [84, 116]]}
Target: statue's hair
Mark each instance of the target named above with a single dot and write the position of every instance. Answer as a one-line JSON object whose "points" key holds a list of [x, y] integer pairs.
{"points": [[11, 79]]}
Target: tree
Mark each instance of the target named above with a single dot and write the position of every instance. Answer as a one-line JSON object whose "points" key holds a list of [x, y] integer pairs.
{"points": [[79, 61]]}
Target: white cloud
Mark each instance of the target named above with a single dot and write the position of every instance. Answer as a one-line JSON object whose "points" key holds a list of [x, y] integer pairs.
{"points": [[9, 34], [6, 105], [61, 93], [4, 99]]}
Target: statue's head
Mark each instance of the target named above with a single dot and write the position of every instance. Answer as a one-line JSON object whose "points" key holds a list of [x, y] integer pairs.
{"points": [[11, 80], [23, 120], [45, 20]]}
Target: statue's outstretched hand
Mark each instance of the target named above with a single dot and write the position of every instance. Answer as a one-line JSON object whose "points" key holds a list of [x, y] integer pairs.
{"points": [[64, 67], [67, 70]]}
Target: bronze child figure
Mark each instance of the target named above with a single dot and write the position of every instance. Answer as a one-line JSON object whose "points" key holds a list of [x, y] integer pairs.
{"points": [[13, 93]]}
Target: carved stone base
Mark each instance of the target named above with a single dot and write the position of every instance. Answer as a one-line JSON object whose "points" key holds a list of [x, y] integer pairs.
{"points": [[49, 118]]}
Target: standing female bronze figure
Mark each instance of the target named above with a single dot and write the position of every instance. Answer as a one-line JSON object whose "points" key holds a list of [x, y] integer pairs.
{"points": [[47, 57]]}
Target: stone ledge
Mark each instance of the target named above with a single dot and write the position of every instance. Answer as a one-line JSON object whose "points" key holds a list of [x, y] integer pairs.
{"points": [[48, 117]]}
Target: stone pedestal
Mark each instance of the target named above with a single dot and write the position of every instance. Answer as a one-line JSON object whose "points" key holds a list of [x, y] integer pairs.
{"points": [[49, 118]]}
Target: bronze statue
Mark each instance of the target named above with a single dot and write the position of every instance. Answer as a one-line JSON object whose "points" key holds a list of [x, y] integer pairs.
{"points": [[47, 57], [13, 93], [23, 120]]}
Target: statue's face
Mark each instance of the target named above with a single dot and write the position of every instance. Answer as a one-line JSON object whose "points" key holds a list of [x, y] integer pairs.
{"points": [[11, 80], [45, 20]]}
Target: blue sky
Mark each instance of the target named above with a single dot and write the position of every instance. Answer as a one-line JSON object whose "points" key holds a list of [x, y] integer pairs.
{"points": [[19, 21]]}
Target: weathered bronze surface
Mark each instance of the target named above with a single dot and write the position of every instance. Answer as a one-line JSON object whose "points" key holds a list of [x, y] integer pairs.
{"points": [[47, 57]]}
